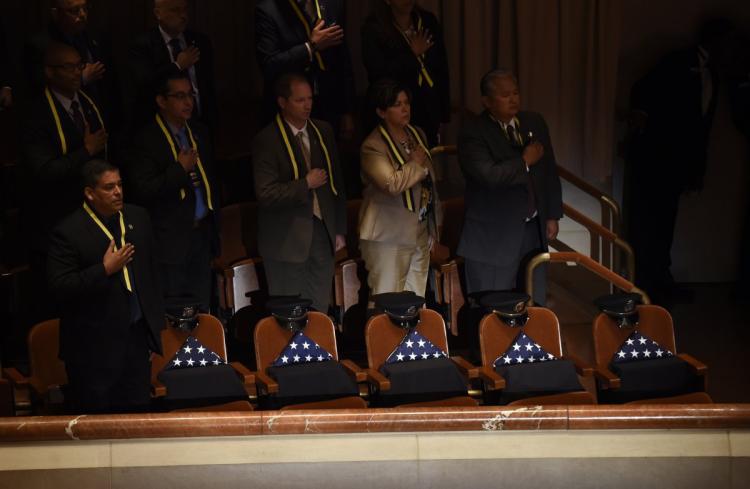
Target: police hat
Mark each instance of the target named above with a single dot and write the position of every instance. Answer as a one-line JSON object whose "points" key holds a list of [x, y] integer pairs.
{"points": [[508, 306], [401, 307], [182, 312], [289, 311], [620, 307]]}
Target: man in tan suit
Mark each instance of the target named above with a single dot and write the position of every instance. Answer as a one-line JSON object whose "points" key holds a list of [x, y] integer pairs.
{"points": [[302, 207], [400, 212]]}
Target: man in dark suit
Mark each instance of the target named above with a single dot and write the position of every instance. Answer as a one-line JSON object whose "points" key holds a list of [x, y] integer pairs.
{"points": [[302, 207], [102, 272], [171, 48], [170, 171], [63, 129], [305, 36], [513, 196], [69, 26], [672, 109]]}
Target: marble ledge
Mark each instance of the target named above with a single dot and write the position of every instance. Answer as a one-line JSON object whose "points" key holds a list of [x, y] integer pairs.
{"points": [[397, 420]]}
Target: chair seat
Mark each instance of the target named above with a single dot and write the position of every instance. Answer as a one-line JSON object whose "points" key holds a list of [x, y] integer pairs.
{"points": [[651, 379], [692, 398], [567, 398], [226, 407], [451, 401], [310, 383], [351, 402], [420, 381]]}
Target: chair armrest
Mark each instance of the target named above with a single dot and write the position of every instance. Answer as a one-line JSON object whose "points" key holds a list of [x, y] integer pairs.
{"points": [[377, 379], [248, 378], [696, 366], [582, 368], [266, 382], [439, 254], [353, 369], [158, 389], [466, 368], [16, 378], [492, 380], [607, 377]]}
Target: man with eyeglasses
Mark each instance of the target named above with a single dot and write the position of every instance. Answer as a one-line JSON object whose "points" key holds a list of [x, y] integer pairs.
{"points": [[169, 170], [62, 130], [170, 48], [69, 22]]}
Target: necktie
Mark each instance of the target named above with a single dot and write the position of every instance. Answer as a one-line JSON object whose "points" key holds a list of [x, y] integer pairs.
{"points": [[306, 153], [176, 47], [75, 111], [517, 142]]}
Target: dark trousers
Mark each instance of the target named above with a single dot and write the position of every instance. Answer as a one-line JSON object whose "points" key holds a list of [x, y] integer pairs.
{"points": [[654, 204], [120, 388], [191, 277], [481, 277], [311, 279]]}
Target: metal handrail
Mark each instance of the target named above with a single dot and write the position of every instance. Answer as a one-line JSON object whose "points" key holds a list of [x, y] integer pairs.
{"points": [[596, 231], [593, 266], [606, 201]]}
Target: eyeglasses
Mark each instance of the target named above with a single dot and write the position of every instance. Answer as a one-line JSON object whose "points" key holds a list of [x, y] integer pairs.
{"points": [[70, 67], [182, 96]]}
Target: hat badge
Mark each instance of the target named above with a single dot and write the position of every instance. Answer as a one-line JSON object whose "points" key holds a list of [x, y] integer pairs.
{"points": [[519, 307], [629, 305]]}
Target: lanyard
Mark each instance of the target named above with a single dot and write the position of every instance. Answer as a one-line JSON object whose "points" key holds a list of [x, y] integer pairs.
{"points": [[173, 147], [424, 75], [396, 154], [286, 137], [308, 29], [58, 123], [112, 238]]}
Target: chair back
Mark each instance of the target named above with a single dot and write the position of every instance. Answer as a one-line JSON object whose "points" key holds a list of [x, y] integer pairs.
{"points": [[271, 339], [238, 230], [209, 332], [382, 336], [495, 337], [45, 366], [653, 321], [453, 223]]}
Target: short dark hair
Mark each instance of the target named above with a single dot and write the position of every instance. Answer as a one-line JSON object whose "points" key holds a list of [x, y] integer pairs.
{"points": [[92, 171], [384, 93], [283, 86], [485, 85], [163, 88], [54, 50]]}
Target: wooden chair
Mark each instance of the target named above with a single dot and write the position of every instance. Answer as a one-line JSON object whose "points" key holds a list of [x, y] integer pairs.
{"points": [[382, 337], [446, 265], [495, 337], [348, 267], [656, 323], [239, 266], [271, 339], [41, 390], [210, 333]]}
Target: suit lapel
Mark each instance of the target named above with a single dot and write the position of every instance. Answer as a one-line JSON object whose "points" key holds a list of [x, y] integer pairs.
{"points": [[161, 53]]}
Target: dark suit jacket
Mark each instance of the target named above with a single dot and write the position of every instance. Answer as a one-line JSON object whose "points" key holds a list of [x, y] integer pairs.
{"points": [[55, 178], [95, 308], [496, 197], [285, 211], [104, 91], [673, 147], [386, 54], [156, 181], [280, 48], [5, 66], [150, 62]]}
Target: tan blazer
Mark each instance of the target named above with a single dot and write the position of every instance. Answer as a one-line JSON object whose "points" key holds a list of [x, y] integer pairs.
{"points": [[383, 216]]}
